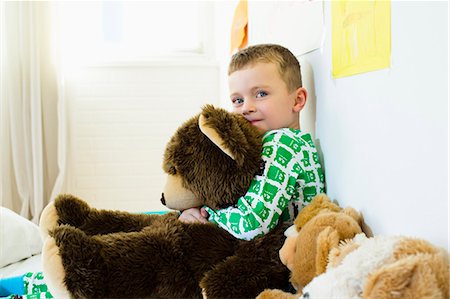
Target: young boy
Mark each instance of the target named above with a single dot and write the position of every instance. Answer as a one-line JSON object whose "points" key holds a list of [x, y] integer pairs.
{"points": [[266, 88]]}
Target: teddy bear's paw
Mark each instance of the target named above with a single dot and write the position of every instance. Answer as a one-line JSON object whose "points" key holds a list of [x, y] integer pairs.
{"points": [[276, 294], [65, 209], [70, 237], [71, 210], [53, 269], [81, 260]]}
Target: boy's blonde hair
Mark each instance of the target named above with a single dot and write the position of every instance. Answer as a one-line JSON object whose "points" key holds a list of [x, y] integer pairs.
{"points": [[287, 64]]}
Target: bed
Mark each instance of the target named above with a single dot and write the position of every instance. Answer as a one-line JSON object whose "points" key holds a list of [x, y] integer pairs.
{"points": [[20, 257]]}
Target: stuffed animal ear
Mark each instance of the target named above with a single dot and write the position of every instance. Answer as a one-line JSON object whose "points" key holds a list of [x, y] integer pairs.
{"points": [[337, 254], [232, 133], [409, 277], [321, 203], [354, 214], [213, 135], [326, 240]]}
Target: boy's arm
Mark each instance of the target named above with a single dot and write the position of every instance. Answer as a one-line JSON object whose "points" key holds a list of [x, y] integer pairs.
{"points": [[259, 210]]}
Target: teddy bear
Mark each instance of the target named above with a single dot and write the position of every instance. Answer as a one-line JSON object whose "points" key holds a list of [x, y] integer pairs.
{"points": [[383, 267], [317, 229], [210, 160]]}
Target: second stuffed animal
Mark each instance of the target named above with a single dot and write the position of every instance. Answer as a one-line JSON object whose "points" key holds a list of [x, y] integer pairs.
{"points": [[318, 228], [383, 267]]}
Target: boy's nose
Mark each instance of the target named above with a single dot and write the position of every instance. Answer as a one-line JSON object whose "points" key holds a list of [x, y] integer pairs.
{"points": [[248, 107]]}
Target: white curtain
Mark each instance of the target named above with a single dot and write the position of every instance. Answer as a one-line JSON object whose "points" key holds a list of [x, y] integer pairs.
{"points": [[33, 116]]}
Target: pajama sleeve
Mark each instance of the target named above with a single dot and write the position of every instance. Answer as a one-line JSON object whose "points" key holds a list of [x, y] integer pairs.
{"points": [[258, 211]]}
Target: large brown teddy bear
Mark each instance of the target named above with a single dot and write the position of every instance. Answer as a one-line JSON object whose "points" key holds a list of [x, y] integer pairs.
{"points": [[211, 159], [318, 228]]}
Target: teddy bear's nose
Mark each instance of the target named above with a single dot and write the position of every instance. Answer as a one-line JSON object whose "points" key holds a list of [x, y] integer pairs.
{"points": [[163, 200]]}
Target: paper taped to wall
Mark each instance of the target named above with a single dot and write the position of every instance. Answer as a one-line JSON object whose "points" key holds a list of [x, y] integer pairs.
{"points": [[296, 25]]}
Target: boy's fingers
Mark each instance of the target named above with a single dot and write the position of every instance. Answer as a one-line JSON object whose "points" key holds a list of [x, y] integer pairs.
{"points": [[191, 216], [188, 219], [204, 213]]}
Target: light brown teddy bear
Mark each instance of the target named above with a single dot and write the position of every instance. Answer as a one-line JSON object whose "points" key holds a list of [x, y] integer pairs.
{"points": [[383, 267], [318, 228]]}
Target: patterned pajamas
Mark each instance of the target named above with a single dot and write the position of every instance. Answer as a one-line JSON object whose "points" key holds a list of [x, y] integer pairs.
{"points": [[291, 177]]}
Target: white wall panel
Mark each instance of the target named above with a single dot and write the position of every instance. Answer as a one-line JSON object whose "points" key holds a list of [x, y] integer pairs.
{"points": [[120, 120]]}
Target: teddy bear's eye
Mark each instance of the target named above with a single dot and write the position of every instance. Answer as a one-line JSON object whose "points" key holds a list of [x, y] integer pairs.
{"points": [[172, 170]]}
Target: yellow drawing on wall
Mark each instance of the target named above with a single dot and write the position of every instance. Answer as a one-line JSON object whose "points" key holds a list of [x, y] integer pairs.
{"points": [[361, 36]]}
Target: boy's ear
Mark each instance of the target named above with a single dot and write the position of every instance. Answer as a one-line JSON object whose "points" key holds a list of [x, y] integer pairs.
{"points": [[300, 99]]}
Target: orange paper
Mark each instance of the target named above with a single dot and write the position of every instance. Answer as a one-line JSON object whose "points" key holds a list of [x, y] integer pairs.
{"points": [[239, 28]]}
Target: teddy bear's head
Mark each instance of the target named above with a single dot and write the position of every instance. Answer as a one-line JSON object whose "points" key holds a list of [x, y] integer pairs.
{"points": [[305, 252], [211, 160]]}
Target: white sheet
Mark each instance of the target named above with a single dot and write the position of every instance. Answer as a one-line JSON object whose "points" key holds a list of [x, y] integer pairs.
{"points": [[32, 264], [20, 238]]}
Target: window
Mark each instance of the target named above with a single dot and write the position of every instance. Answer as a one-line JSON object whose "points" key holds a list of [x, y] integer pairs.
{"points": [[108, 31]]}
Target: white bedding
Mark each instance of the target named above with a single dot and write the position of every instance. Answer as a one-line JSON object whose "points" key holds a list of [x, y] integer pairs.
{"points": [[20, 245], [31, 264]]}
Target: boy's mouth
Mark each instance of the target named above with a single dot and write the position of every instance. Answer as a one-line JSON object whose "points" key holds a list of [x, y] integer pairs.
{"points": [[254, 121]]}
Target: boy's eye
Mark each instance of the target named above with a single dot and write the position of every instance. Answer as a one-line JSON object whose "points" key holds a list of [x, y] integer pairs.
{"points": [[261, 94], [237, 101]]}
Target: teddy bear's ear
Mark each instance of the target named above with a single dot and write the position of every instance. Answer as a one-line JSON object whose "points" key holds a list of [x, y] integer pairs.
{"points": [[354, 214], [320, 203], [213, 135], [337, 254], [232, 133], [409, 277], [326, 240]]}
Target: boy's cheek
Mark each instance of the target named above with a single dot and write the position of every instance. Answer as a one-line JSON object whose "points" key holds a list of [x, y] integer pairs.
{"points": [[236, 110]]}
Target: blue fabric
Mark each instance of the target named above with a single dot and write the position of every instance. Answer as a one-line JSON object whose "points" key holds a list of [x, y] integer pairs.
{"points": [[156, 212], [11, 285]]}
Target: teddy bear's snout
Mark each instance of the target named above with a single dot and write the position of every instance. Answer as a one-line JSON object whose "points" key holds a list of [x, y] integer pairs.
{"points": [[163, 200]]}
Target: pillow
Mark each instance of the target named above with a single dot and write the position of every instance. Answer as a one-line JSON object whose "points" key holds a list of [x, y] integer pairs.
{"points": [[20, 238]]}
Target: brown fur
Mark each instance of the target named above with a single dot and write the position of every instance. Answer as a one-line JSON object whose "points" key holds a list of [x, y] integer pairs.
{"points": [[418, 270], [112, 254], [337, 254], [323, 226], [316, 239], [215, 179], [320, 204]]}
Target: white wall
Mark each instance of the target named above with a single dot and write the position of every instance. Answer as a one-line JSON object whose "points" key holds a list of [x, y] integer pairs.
{"points": [[120, 121], [384, 134], [123, 114]]}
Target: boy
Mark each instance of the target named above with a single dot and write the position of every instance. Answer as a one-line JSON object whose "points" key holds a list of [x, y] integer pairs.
{"points": [[266, 88]]}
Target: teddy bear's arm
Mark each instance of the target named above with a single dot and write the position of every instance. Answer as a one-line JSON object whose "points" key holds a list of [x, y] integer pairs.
{"points": [[106, 222], [68, 209]]}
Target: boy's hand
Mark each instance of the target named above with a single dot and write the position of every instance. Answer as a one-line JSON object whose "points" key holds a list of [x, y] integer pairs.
{"points": [[194, 215]]}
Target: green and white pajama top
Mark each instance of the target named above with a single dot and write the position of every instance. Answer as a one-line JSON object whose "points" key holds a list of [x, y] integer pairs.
{"points": [[291, 177]]}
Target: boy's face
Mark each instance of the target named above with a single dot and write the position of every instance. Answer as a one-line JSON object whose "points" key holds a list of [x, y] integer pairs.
{"points": [[262, 97]]}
